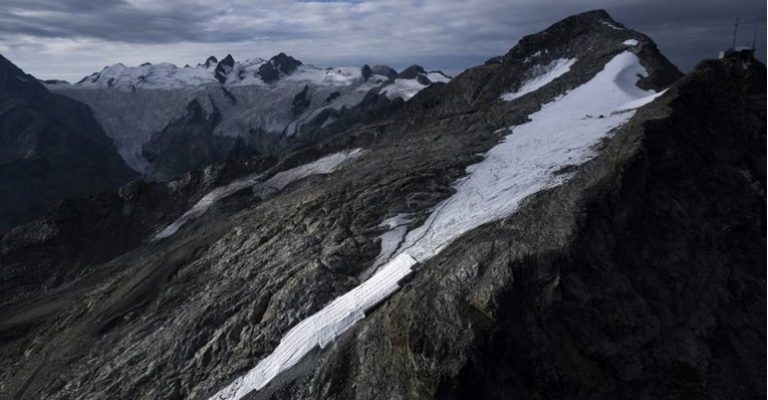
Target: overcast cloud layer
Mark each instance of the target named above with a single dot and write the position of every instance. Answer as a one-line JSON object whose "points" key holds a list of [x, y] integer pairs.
{"points": [[68, 39]]}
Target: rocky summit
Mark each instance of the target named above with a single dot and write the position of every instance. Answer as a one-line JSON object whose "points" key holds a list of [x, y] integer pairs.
{"points": [[574, 219]]}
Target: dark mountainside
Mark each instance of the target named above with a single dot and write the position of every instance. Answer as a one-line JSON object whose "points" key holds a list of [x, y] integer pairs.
{"points": [[50, 148], [642, 276]]}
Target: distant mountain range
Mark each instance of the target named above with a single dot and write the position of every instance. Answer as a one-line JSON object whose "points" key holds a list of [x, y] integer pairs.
{"points": [[168, 120]]}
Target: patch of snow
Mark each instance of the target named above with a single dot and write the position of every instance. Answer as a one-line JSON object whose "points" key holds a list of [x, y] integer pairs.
{"points": [[608, 24], [542, 75], [322, 327], [324, 165], [207, 201], [525, 162], [435, 76], [630, 42], [634, 104], [338, 76], [403, 88], [278, 182]]}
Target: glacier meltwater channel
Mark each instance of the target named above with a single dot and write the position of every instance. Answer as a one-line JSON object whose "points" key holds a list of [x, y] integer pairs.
{"points": [[564, 132]]}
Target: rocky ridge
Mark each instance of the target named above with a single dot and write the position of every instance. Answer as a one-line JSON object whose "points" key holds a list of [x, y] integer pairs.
{"points": [[51, 147]]}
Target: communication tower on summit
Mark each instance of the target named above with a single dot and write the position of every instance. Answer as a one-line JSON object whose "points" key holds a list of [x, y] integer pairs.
{"points": [[743, 52]]}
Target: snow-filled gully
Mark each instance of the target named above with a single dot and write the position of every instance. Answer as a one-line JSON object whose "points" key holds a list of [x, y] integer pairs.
{"points": [[276, 183], [564, 132]]}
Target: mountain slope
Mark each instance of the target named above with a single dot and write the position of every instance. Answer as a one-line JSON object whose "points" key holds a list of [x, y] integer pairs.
{"points": [[549, 244], [50, 148]]}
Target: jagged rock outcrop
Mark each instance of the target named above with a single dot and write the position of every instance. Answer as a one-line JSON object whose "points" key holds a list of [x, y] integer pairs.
{"points": [[210, 61], [277, 67], [366, 71], [50, 148], [639, 273], [384, 71], [223, 68]]}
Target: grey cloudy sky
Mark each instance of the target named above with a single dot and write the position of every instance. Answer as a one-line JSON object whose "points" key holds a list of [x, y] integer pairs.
{"points": [[68, 39]]}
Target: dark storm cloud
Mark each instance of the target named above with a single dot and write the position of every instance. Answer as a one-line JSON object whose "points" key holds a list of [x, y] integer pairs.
{"points": [[446, 34], [112, 20]]}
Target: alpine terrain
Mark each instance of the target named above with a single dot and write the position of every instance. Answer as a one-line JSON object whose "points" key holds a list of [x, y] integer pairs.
{"points": [[574, 219]]}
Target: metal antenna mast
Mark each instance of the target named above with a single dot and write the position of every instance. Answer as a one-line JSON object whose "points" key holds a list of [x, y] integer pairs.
{"points": [[735, 30]]}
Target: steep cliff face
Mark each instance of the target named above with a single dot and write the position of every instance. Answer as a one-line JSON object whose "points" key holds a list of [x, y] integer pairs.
{"points": [[50, 148], [547, 225]]}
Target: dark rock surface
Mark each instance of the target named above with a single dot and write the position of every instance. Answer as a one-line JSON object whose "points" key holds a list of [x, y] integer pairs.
{"points": [[385, 71], [366, 72], [277, 67], [411, 72], [301, 101], [211, 61], [189, 144], [50, 148], [641, 277], [223, 68]]}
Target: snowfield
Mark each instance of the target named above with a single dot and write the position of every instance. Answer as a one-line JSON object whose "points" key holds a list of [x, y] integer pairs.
{"points": [[563, 133], [404, 88], [541, 76]]}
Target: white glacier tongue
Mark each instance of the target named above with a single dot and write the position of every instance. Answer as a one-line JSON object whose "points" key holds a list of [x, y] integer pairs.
{"points": [[322, 327], [564, 132]]}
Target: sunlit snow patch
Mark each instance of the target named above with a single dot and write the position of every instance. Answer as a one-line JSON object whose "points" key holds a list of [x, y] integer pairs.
{"points": [[324, 165], [205, 203], [277, 182], [404, 88], [542, 75], [564, 132]]}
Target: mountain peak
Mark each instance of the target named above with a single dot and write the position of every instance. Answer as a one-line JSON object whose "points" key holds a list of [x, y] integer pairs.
{"points": [[210, 61], [14, 80], [224, 68], [277, 67]]}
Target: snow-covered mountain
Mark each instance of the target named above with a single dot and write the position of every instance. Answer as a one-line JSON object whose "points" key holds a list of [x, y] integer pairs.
{"points": [[572, 219], [167, 120]]}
